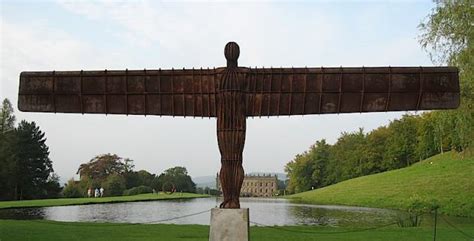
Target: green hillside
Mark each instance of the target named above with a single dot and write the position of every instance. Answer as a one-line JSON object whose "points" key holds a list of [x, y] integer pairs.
{"points": [[447, 178]]}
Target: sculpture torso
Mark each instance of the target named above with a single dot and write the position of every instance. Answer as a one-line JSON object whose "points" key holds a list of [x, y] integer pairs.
{"points": [[231, 115]]}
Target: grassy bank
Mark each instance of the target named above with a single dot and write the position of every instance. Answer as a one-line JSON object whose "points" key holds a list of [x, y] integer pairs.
{"points": [[48, 230], [446, 178], [83, 201]]}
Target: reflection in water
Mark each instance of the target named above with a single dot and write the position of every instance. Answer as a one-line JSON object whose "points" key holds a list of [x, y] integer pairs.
{"points": [[262, 210], [22, 213], [326, 215]]}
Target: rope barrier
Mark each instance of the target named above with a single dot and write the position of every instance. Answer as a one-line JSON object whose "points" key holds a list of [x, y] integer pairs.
{"points": [[174, 218], [323, 232], [127, 224], [468, 236]]}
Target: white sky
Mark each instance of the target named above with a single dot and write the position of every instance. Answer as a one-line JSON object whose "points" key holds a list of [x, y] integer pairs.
{"points": [[40, 35]]}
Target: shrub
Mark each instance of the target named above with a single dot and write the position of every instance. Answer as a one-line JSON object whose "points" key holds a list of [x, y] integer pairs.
{"points": [[407, 220], [415, 209], [72, 189], [137, 190], [114, 185]]}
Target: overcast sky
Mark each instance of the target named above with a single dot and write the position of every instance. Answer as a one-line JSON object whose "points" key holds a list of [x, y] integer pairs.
{"points": [[39, 35]]}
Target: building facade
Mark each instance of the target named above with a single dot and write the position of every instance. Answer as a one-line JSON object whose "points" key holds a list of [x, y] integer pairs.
{"points": [[256, 185]]}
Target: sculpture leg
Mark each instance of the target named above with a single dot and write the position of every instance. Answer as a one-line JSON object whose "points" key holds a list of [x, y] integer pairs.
{"points": [[231, 177], [231, 140]]}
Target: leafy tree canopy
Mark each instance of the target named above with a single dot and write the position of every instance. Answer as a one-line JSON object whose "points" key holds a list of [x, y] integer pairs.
{"points": [[7, 119], [101, 166], [176, 176], [447, 34]]}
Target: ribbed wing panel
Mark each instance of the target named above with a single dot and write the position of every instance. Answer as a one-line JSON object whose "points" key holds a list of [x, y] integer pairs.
{"points": [[302, 91], [131, 92]]}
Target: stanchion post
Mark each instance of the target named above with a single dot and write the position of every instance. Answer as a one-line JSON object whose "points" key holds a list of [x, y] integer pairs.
{"points": [[435, 223]]}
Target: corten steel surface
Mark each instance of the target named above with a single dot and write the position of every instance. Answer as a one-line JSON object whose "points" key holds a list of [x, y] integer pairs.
{"points": [[234, 93]]}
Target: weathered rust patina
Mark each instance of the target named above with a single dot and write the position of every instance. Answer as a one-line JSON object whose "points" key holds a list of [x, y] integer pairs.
{"points": [[234, 93]]}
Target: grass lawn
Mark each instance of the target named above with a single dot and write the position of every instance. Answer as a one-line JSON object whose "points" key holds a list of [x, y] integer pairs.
{"points": [[21, 230], [447, 178], [82, 201]]}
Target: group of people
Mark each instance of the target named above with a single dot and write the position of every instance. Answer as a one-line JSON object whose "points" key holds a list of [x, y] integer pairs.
{"points": [[98, 192]]}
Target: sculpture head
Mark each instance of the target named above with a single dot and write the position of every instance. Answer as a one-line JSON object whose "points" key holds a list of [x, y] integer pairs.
{"points": [[231, 53]]}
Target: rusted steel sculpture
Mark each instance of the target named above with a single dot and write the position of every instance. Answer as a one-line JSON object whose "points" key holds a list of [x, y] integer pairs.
{"points": [[234, 93]]}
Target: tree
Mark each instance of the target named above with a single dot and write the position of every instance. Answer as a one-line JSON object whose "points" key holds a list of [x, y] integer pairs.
{"points": [[140, 178], [443, 126], [375, 149], [427, 143], [73, 189], [7, 154], [299, 172], [319, 156], [32, 164], [114, 185], [7, 166], [462, 134], [101, 166], [448, 35], [7, 119], [402, 143], [176, 176], [131, 179], [52, 186], [26, 171], [145, 178], [349, 153]]}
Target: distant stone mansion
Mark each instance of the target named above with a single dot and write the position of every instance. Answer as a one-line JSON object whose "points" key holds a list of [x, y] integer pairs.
{"points": [[256, 185]]}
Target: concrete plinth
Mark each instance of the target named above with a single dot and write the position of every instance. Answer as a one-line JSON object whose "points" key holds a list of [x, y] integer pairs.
{"points": [[229, 224]]}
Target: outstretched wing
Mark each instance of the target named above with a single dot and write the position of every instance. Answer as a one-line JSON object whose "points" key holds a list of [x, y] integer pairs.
{"points": [[131, 92], [302, 91]]}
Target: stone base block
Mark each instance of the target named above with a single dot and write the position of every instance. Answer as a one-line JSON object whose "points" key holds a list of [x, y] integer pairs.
{"points": [[229, 224]]}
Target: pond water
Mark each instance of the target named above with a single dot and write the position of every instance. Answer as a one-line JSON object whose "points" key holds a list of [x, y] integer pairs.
{"points": [[263, 211]]}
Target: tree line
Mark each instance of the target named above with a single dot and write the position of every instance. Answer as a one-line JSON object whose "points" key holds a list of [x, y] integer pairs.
{"points": [[117, 177], [448, 35], [26, 172], [400, 144]]}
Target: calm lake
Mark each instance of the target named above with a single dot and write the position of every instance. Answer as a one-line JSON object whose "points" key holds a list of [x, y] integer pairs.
{"points": [[263, 211]]}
